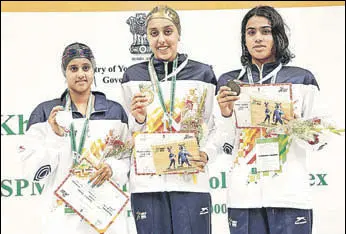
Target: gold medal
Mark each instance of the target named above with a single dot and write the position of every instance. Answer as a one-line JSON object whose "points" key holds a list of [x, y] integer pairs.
{"points": [[146, 90]]}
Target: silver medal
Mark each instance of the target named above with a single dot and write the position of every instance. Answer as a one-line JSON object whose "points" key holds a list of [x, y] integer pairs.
{"points": [[64, 118]]}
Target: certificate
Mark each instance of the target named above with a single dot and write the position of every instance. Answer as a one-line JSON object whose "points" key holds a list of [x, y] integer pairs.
{"points": [[99, 206], [166, 153], [267, 150], [263, 105]]}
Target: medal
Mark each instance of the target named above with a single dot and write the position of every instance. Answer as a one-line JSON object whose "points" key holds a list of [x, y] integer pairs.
{"points": [[64, 118], [147, 92], [234, 86]]}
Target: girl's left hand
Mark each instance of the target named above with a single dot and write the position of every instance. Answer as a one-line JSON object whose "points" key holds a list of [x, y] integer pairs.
{"points": [[103, 174]]}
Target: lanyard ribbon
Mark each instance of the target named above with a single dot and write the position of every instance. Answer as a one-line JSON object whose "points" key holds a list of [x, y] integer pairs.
{"points": [[154, 79], [76, 154], [271, 75]]}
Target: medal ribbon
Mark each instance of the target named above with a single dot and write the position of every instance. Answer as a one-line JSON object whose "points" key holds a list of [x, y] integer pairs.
{"points": [[156, 82], [75, 153], [271, 75]]}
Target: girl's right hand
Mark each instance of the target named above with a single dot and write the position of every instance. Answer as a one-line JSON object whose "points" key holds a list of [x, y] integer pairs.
{"points": [[139, 107], [226, 98]]}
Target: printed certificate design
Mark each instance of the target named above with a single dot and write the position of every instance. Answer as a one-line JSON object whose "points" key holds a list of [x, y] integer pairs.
{"points": [[264, 105], [166, 153], [99, 206], [267, 151], [259, 152]]}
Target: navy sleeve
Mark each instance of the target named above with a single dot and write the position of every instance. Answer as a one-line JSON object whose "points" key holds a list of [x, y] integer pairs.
{"points": [[38, 115], [310, 79]]}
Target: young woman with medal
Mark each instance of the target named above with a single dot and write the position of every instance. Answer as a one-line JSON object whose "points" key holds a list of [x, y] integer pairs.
{"points": [[261, 202], [158, 94], [61, 131]]}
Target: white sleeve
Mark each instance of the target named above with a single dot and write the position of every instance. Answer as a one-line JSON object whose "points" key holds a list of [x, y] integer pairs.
{"points": [[221, 134], [314, 106], [120, 169], [313, 103], [135, 126], [39, 151], [121, 165]]}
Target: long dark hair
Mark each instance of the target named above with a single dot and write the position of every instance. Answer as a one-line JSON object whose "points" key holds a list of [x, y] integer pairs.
{"points": [[281, 42]]}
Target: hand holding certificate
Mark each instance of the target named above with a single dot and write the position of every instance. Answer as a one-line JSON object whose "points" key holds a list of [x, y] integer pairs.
{"points": [[110, 146], [100, 205]]}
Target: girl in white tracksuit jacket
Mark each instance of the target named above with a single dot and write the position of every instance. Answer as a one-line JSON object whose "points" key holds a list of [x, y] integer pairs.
{"points": [[48, 155], [170, 203], [273, 202]]}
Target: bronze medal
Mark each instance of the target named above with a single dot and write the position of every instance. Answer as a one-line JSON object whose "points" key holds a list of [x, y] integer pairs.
{"points": [[234, 86]]}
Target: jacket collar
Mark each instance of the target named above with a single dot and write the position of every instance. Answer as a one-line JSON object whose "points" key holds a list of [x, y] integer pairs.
{"points": [[100, 104], [159, 65], [266, 68]]}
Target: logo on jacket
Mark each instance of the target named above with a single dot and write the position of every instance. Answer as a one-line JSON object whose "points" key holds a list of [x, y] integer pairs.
{"points": [[21, 149], [232, 222], [204, 210], [227, 148], [300, 220], [42, 172], [141, 215], [140, 44]]}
